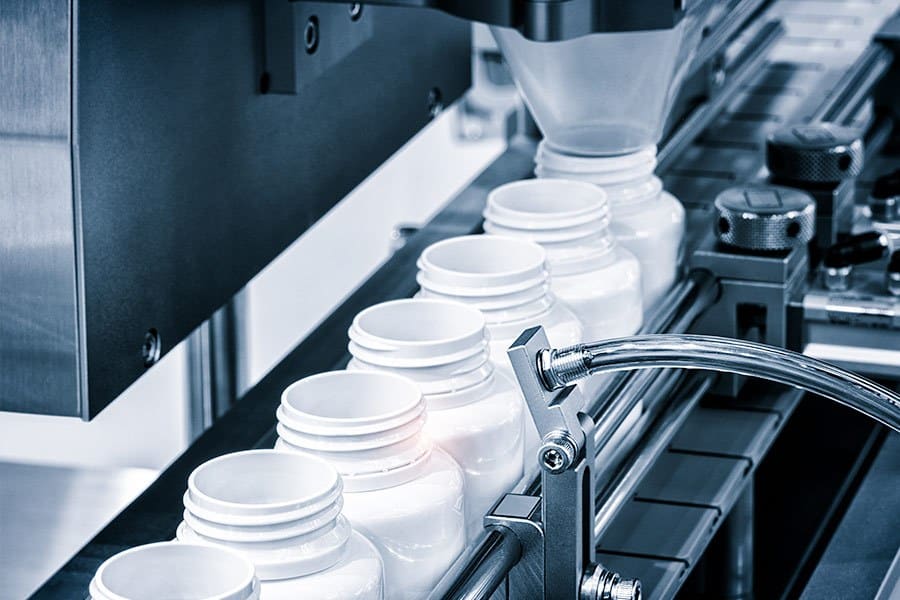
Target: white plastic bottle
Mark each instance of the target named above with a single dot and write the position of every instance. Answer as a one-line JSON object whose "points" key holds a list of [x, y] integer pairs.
{"points": [[508, 280], [283, 512], [474, 412], [403, 493], [175, 570], [597, 278], [646, 220]]}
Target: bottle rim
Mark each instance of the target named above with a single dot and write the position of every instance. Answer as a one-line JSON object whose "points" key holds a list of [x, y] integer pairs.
{"points": [[228, 563], [417, 332], [545, 206], [482, 265], [278, 484]]}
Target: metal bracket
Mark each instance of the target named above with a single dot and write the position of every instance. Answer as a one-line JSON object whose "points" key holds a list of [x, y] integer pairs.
{"points": [[567, 486], [305, 39]]}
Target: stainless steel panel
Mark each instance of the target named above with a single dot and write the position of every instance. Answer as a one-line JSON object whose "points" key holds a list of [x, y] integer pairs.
{"points": [[48, 512], [177, 178], [38, 332], [191, 180]]}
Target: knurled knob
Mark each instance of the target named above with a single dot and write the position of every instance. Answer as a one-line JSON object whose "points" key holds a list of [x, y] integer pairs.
{"points": [[764, 217], [814, 153], [627, 589]]}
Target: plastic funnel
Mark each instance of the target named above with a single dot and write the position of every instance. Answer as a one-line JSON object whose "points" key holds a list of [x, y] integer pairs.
{"points": [[604, 93]]}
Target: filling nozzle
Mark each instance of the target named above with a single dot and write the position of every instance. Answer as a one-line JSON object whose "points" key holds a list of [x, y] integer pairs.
{"points": [[559, 368]]}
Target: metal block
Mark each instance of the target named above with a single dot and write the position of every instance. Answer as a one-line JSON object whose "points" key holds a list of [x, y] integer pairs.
{"points": [[305, 39], [695, 479], [651, 529], [732, 263], [858, 329], [722, 432], [757, 288], [660, 579], [145, 193]]}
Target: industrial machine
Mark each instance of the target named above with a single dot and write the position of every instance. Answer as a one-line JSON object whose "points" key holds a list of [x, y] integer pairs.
{"points": [[156, 156]]}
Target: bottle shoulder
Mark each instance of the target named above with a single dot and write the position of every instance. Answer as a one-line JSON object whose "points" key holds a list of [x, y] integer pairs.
{"points": [[359, 574], [562, 326]]}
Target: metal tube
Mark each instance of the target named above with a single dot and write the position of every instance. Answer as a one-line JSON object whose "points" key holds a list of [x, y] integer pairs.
{"points": [[654, 441], [729, 356]]}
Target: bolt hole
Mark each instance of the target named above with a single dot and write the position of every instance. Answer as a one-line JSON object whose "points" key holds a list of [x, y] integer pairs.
{"points": [[355, 11], [151, 348], [705, 31], [435, 102], [844, 162], [311, 34], [793, 229], [724, 225]]}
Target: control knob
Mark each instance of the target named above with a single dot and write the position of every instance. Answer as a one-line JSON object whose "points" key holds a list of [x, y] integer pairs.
{"points": [[764, 217], [814, 153]]}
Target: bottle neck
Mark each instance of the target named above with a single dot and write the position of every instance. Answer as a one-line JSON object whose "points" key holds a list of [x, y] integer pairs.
{"points": [[275, 555], [367, 458], [628, 180], [444, 386], [282, 511], [502, 305]]}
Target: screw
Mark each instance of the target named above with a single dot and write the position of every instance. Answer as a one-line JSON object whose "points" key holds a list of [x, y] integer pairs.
{"points": [[557, 452], [435, 102], [151, 348], [311, 34], [355, 11]]}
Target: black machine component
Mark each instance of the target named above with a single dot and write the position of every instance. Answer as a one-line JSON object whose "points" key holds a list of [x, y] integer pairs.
{"points": [[839, 260], [893, 274], [824, 160], [550, 20], [884, 199], [138, 144], [818, 153]]}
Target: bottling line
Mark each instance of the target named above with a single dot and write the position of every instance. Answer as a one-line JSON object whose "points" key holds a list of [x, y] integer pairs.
{"points": [[650, 349]]}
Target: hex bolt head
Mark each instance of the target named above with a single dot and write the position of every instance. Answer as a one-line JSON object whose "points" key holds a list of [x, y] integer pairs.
{"points": [[557, 452]]}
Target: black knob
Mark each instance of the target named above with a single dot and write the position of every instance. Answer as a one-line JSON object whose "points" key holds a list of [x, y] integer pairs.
{"points": [[856, 250], [884, 200], [893, 274], [894, 264]]}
